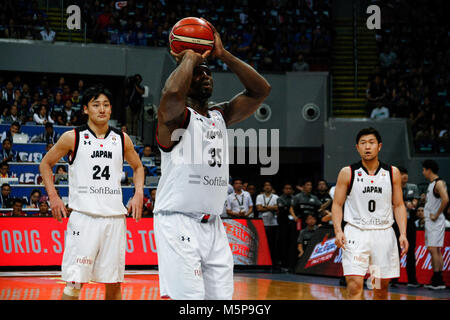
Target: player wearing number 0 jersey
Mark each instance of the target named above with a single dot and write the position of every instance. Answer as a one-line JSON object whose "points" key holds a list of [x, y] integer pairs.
{"points": [[194, 256], [96, 231], [371, 194]]}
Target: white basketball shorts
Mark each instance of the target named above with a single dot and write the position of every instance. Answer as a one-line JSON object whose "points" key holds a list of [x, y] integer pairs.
{"points": [[94, 249], [194, 259], [374, 250], [435, 231]]}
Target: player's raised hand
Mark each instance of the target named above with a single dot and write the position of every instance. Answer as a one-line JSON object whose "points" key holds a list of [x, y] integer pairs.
{"points": [[404, 245], [200, 57], [340, 240], [218, 49], [58, 208]]}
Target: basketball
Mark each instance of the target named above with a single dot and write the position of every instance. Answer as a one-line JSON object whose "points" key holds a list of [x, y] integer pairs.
{"points": [[191, 33]]}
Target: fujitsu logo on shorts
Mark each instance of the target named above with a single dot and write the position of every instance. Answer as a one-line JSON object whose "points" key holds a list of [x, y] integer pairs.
{"points": [[84, 261]]}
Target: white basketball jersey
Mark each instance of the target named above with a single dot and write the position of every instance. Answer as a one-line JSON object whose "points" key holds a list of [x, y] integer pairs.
{"points": [[433, 201], [194, 170], [369, 199], [95, 171]]}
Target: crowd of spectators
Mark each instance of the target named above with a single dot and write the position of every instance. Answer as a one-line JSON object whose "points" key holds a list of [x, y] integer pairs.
{"points": [[40, 103], [412, 77], [272, 35], [24, 20]]}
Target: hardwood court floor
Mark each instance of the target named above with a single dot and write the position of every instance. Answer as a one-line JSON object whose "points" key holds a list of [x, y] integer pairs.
{"points": [[144, 286]]}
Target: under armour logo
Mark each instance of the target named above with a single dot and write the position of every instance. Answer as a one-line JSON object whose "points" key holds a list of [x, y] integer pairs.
{"points": [[87, 142], [183, 238], [76, 233], [200, 119]]}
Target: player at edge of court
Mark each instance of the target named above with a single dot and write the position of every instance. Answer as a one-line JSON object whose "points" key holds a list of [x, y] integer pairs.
{"points": [[372, 194], [96, 230], [194, 256]]}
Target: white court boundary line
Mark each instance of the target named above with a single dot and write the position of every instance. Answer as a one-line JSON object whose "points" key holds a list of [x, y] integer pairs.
{"points": [[58, 273]]}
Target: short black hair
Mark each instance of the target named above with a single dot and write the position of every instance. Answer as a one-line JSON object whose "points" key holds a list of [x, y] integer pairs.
{"points": [[431, 164], [367, 131], [93, 93], [15, 124], [402, 170], [236, 179], [18, 200]]}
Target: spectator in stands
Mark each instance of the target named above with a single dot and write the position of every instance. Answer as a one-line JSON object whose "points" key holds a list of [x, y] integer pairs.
{"points": [[44, 209], [13, 115], [7, 154], [61, 175], [58, 104], [13, 129], [66, 93], [300, 64], [5, 197], [239, 203], [41, 117], [17, 208], [307, 233], [288, 230], [376, 91], [49, 135], [251, 189], [379, 112], [305, 203], [149, 203], [4, 170], [68, 112], [147, 156], [134, 92], [387, 57], [8, 93], [326, 200], [268, 209], [420, 222], [48, 34], [35, 195], [76, 101]]}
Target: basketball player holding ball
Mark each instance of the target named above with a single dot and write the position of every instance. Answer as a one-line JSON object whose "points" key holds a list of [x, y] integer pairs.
{"points": [[96, 232], [372, 193], [194, 256]]}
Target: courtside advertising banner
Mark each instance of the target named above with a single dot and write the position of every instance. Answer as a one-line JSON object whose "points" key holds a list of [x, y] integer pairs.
{"points": [[323, 257], [40, 241]]}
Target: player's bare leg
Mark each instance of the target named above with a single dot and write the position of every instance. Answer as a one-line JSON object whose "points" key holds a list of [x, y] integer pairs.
{"points": [[72, 291], [113, 291], [355, 287], [382, 292], [436, 258]]}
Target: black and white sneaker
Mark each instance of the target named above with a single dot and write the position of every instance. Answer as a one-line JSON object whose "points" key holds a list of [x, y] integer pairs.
{"points": [[414, 284], [437, 285]]}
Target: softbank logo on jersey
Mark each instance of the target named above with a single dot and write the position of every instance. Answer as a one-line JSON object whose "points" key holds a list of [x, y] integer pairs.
{"points": [[104, 190], [207, 180], [215, 149]]}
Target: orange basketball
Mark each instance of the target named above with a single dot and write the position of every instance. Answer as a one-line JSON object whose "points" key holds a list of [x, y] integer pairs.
{"points": [[191, 33]]}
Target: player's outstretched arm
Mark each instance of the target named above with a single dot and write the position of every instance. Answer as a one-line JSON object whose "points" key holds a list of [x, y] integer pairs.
{"points": [[172, 106], [244, 104], [340, 194], [135, 163], [399, 209], [60, 149]]}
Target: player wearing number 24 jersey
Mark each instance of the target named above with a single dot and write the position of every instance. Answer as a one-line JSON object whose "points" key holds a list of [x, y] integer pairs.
{"points": [[194, 256], [371, 194], [96, 230]]}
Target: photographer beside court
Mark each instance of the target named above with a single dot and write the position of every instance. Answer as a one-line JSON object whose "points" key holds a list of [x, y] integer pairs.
{"points": [[134, 94]]}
